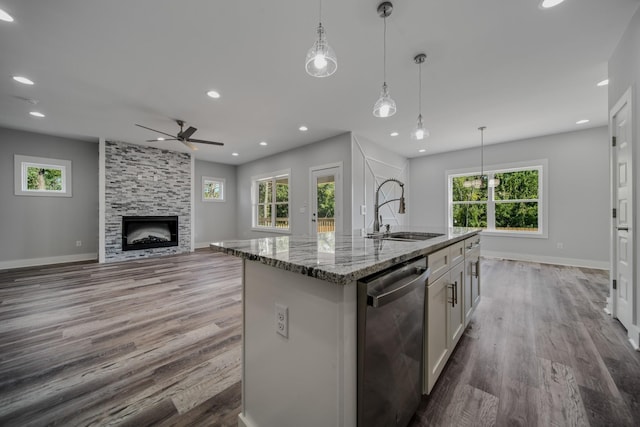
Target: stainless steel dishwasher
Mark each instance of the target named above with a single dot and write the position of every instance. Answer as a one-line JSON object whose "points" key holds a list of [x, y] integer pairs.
{"points": [[390, 334]]}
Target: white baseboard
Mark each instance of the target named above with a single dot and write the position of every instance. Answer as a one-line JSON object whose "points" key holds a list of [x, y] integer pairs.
{"points": [[243, 421], [634, 337], [573, 262], [32, 262], [200, 245]]}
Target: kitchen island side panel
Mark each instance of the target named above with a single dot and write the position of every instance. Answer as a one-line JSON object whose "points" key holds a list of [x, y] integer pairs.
{"points": [[310, 377]]}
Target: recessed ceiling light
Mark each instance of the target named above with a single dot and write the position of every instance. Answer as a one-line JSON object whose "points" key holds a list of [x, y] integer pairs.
{"points": [[394, 134], [263, 143], [581, 122], [23, 80], [235, 154], [604, 82], [422, 150], [4, 16], [546, 4], [303, 128], [214, 94], [36, 114]]}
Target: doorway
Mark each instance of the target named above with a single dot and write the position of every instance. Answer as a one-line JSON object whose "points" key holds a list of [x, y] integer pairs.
{"points": [[622, 237], [326, 198]]}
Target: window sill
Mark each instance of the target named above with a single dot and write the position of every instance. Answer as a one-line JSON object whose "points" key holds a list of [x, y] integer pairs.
{"points": [[525, 234], [272, 230]]}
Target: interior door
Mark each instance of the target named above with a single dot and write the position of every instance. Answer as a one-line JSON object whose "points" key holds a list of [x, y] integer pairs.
{"points": [[622, 244], [326, 199]]}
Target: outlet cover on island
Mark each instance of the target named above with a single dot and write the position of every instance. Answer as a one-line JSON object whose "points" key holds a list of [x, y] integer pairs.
{"points": [[78, 243], [282, 320], [363, 209]]}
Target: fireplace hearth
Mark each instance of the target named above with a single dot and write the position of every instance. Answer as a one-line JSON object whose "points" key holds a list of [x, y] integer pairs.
{"points": [[146, 232]]}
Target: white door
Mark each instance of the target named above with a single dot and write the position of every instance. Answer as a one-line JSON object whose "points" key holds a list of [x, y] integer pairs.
{"points": [[622, 233], [326, 199]]}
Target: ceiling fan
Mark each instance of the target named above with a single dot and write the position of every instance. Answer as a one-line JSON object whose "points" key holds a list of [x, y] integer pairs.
{"points": [[183, 136]]}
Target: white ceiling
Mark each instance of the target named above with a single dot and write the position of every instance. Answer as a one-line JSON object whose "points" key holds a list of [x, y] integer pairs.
{"points": [[101, 66]]}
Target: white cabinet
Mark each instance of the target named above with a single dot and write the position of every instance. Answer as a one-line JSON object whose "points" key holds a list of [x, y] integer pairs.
{"points": [[453, 292], [471, 295], [444, 313]]}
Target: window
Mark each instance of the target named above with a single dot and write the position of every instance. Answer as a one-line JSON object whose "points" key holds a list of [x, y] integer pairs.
{"points": [[39, 176], [512, 204], [212, 189], [271, 201]]}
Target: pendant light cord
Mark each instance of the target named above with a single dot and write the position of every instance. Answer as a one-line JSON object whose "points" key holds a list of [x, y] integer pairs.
{"points": [[320, 12], [481, 154], [384, 51], [420, 88]]}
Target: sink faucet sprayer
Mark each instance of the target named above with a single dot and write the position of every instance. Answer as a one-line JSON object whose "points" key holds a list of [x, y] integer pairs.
{"points": [[401, 210]]}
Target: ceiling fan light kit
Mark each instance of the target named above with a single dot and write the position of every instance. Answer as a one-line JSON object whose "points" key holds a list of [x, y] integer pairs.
{"points": [[385, 106], [321, 60]]}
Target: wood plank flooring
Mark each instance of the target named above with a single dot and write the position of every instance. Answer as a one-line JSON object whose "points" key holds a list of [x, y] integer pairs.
{"points": [[150, 342], [539, 351], [157, 342]]}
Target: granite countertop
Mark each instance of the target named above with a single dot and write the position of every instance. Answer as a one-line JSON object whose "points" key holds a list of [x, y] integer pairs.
{"points": [[338, 258]]}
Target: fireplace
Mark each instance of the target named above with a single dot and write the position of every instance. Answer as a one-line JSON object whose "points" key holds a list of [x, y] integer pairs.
{"points": [[145, 232]]}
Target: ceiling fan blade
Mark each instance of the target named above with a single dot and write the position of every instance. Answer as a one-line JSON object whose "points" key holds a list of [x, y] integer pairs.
{"points": [[172, 136], [188, 144], [187, 133], [202, 141], [160, 140]]}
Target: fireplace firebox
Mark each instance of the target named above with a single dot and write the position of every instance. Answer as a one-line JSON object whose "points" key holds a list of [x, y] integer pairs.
{"points": [[145, 232]]}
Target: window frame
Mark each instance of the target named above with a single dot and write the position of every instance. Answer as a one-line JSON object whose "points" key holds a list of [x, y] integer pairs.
{"points": [[21, 164], [223, 190], [541, 165], [273, 176]]}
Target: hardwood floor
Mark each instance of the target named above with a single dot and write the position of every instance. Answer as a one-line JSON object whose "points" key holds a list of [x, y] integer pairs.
{"points": [[157, 342], [150, 342], [539, 351]]}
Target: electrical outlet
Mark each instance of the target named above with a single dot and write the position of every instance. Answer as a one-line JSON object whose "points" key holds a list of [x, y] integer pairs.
{"points": [[363, 209], [282, 320], [560, 245], [78, 243]]}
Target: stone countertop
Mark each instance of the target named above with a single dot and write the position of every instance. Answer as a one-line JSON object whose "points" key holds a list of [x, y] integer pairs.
{"points": [[338, 258]]}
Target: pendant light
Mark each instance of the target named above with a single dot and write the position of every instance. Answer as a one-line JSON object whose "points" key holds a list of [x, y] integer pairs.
{"points": [[384, 106], [479, 183], [420, 133], [321, 59]]}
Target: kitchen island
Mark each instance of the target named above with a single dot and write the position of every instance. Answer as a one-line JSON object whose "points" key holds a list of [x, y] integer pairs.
{"points": [[300, 339]]}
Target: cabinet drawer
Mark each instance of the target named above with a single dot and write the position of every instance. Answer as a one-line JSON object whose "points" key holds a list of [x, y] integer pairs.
{"points": [[456, 253], [439, 263], [472, 243]]}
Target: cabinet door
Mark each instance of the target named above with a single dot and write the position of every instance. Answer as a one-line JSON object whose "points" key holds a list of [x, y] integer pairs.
{"points": [[475, 285], [436, 340], [455, 307], [467, 297]]}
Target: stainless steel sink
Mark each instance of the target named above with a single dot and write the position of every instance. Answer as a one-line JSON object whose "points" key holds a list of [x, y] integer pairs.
{"points": [[404, 236]]}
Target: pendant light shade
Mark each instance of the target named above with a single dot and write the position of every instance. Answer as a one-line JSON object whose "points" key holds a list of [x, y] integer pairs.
{"points": [[420, 133], [385, 106], [321, 60]]}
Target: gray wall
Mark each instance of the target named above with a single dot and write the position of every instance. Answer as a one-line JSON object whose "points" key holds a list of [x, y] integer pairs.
{"points": [[215, 220], [624, 72], [578, 199], [48, 227], [371, 164], [331, 150]]}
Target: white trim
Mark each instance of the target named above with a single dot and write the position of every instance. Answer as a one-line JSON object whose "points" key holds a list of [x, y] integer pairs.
{"points": [[633, 333], [271, 175], [102, 188], [32, 262], [223, 188], [572, 262], [339, 187], [22, 162], [542, 165]]}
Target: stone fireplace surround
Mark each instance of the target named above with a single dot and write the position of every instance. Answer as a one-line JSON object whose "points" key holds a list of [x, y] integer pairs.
{"points": [[141, 180]]}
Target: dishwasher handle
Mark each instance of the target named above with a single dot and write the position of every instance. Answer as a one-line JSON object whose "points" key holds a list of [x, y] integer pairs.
{"points": [[387, 297]]}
